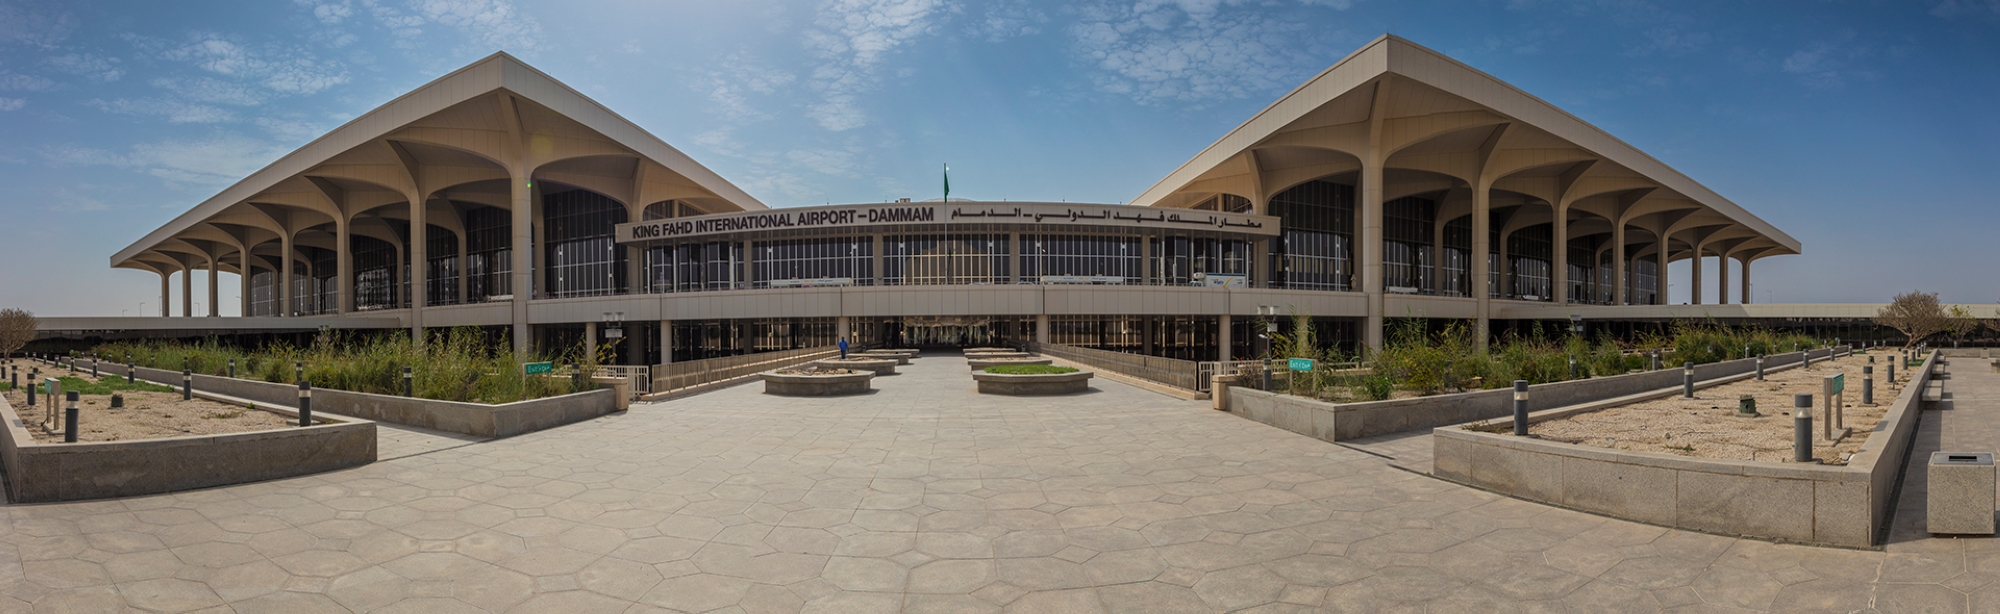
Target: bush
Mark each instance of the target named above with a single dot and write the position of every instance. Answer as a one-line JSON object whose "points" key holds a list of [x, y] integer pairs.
{"points": [[1378, 387], [1029, 370], [459, 365]]}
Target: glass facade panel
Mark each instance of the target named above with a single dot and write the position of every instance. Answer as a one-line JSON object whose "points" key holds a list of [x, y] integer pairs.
{"points": [[374, 277], [1408, 225], [1645, 282], [1177, 259], [263, 293], [1316, 251], [833, 257], [489, 258], [694, 267], [927, 260], [441, 277], [1457, 258], [583, 257], [1529, 251], [1093, 255]]}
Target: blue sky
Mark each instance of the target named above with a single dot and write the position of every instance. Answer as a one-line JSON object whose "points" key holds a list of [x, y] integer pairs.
{"points": [[1865, 129]]}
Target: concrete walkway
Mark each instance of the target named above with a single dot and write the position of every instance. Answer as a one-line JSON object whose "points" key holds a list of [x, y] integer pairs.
{"points": [[921, 497]]}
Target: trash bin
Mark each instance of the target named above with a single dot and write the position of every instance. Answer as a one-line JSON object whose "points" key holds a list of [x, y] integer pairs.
{"points": [[1959, 497]]}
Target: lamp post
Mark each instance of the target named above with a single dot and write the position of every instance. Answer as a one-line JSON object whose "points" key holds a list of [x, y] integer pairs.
{"points": [[1267, 312]]}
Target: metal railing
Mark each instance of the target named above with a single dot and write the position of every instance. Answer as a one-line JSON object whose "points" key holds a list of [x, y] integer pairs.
{"points": [[1181, 374], [639, 376], [683, 375]]}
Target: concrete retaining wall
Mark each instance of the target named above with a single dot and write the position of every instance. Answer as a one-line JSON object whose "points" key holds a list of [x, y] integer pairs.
{"points": [[1819, 504], [45, 472], [469, 418], [1341, 422]]}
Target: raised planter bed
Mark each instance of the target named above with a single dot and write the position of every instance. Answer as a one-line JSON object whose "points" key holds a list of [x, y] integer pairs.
{"points": [[981, 363], [817, 383], [476, 419], [1032, 385], [45, 472], [899, 357], [989, 355], [881, 366], [987, 350]]}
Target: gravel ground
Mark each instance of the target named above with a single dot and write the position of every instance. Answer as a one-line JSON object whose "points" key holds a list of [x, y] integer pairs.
{"points": [[1707, 426], [146, 415]]}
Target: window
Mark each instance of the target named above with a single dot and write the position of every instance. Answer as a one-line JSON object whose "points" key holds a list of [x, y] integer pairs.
{"points": [[263, 293], [583, 256], [1177, 259], [842, 257], [1407, 225], [441, 277], [693, 267], [1529, 252], [1457, 258], [489, 258], [1316, 250], [1092, 255], [374, 277], [926, 260]]}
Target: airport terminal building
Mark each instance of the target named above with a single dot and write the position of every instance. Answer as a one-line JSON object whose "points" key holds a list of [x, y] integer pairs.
{"points": [[1398, 183]]}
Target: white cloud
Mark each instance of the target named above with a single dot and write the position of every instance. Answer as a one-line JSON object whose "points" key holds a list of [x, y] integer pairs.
{"points": [[289, 71], [17, 82], [12, 104], [69, 200], [1010, 18], [211, 162], [88, 65], [210, 89], [491, 25], [1827, 65], [737, 80], [175, 111], [838, 163], [33, 25], [851, 37], [1191, 50], [330, 13], [292, 130]]}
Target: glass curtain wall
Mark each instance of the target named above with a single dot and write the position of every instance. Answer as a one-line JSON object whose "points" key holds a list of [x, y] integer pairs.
{"points": [[1645, 282], [441, 277], [1316, 250], [694, 267], [583, 255], [321, 292], [1529, 250], [489, 257], [928, 260], [263, 294], [1457, 258], [1177, 259], [832, 257], [1407, 227], [374, 277], [1093, 255]]}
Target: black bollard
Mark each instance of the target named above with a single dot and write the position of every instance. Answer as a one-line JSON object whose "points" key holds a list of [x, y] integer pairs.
{"points": [[1892, 374], [187, 384], [32, 385], [298, 372], [575, 376], [1521, 407], [1868, 384], [1760, 367], [1802, 428], [408, 387], [1687, 380], [232, 368], [69, 419], [131, 372], [305, 403], [1572, 366], [93, 368]]}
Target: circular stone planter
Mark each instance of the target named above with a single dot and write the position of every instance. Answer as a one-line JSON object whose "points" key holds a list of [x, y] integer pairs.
{"points": [[980, 363], [803, 385], [899, 357], [881, 366], [987, 350], [1032, 385], [992, 355]]}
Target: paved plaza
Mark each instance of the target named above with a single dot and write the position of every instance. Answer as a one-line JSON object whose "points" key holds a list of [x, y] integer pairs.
{"points": [[927, 497]]}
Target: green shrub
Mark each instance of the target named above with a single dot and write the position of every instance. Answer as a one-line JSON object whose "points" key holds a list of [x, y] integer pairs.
{"points": [[1377, 387], [1029, 370], [108, 385]]}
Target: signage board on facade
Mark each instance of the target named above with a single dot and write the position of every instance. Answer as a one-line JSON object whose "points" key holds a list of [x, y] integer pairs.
{"points": [[943, 215]]}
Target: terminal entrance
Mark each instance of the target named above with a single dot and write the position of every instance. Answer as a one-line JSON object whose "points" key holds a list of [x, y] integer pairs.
{"points": [[951, 332]]}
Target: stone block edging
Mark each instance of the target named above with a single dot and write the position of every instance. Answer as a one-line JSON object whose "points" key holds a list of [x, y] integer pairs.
{"points": [[981, 363], [781, 384], [46, 472], [1027, 385], [477, 419]]}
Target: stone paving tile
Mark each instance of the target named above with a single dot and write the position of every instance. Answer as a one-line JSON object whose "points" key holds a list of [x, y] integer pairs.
{"points": [[927, 497]]}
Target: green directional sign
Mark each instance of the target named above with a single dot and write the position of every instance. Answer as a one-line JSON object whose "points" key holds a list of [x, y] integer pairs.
{"points": [[538, 368], [1301, 364], [1835, 384]]}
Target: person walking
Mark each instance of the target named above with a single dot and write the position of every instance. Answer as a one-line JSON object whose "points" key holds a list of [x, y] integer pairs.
{"points": [[843, 348]]}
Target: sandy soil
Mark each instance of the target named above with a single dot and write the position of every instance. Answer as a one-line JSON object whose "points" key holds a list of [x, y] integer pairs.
{"points": [[1707, 426], [146, 415]]}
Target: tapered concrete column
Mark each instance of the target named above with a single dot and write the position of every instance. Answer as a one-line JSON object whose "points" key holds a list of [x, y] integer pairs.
{"points": [[214, 281], [1694, 298], [1660, 279], [1722, 279], [343, 269], [1042, 328], [187, 292], [1559, 273], [1618, 263], [1260, 264], [244, 275], [635, 261], [1437, 255], [842, 327], [166, 294], [462, 260], [1479, 285], [284, 308], [521, 278], [1746, 281], [1223, 334], [1146, 260], [666, 342], [877, 273], [420, 232], [590, 338], [1013, 258], [1372, 267]]}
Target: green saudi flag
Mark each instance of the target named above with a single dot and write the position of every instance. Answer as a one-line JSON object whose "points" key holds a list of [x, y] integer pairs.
{"points": [[947, 183]]}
